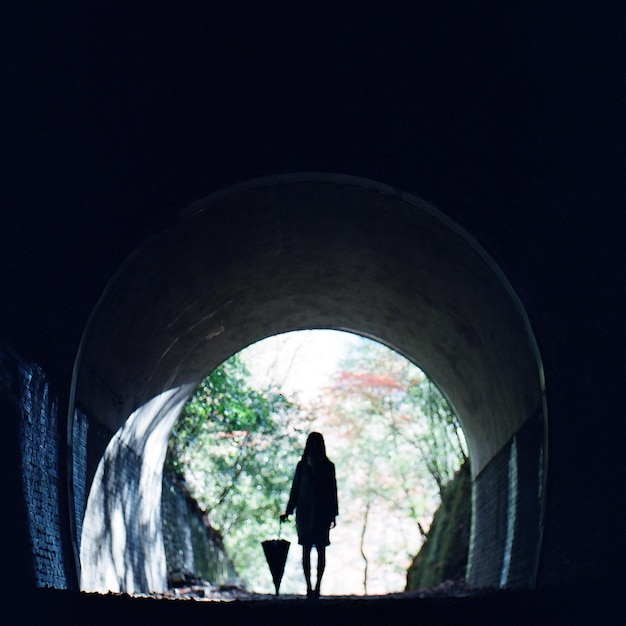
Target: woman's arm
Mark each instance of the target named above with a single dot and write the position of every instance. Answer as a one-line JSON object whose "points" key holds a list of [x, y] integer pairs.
{"points": [[293, 494], [334, 487]]}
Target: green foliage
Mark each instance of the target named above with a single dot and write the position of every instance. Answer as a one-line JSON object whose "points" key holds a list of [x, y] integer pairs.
{"points": [[442, 444], [384, 404], [236, 448], [401, 441], [444, 554]]}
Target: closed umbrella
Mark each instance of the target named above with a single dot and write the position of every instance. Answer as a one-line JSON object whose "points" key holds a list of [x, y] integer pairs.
{"points": [[276, 551]]}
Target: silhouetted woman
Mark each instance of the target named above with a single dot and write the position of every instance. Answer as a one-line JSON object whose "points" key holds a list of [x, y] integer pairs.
{"points": [[314, 498]]}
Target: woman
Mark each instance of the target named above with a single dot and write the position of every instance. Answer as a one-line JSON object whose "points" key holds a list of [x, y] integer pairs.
{"points": [[314, 498]]}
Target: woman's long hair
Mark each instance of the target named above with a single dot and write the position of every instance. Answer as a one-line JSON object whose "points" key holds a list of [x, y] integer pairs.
{"points": [[315, 451]]}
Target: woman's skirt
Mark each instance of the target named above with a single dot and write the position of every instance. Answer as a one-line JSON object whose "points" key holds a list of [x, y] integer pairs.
{"points": [[317, 536]]}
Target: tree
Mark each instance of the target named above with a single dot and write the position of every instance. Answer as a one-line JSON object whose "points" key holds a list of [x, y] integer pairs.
{"points": [[402, 443], [236, 447], [443, 445]]}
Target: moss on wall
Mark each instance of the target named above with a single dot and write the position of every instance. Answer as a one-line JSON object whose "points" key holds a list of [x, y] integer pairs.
{"points": [[443, 555]]}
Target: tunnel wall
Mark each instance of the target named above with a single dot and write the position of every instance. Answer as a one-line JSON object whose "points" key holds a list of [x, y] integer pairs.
{"points": [[306, 250], [115, 535], [87, 446], [27, 397], [192, 547], [585, 504], [36, 548], [507, 503], [121, 543]]}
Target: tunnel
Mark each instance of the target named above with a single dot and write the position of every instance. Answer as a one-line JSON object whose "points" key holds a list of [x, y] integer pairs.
{"points": [[292, 252], [183, 179]]}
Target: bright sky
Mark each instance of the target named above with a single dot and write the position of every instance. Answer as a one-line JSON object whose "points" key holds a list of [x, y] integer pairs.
{"points": [[299, 361]]}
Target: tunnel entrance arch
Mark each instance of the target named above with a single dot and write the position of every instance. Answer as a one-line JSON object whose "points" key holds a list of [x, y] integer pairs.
{"points": [[288, 253]]}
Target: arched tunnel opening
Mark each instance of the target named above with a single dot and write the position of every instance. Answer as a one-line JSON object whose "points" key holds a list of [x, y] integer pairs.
{"points": [[292, 252], [397, 445]]}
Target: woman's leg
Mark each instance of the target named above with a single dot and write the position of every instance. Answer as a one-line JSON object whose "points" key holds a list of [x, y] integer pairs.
{"points": [[321, 566], [306, 566]]}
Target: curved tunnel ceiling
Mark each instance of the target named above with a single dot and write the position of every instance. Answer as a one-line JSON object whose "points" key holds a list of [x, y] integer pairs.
{"points": [[313, 251]]}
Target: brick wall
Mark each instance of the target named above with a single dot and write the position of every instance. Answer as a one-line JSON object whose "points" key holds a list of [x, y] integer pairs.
{"points": [[507, 505], [30, 411], [529, 495], [489, 522], [89, 441]]}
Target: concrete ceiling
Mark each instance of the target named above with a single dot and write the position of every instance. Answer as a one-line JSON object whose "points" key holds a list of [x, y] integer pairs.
{"points": [[313, 251]]}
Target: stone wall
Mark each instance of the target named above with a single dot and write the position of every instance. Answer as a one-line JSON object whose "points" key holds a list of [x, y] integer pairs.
{"points": [[192, 547]]}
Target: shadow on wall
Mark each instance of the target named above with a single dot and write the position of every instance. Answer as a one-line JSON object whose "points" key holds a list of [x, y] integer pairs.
{"points": [[121, 547]]}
